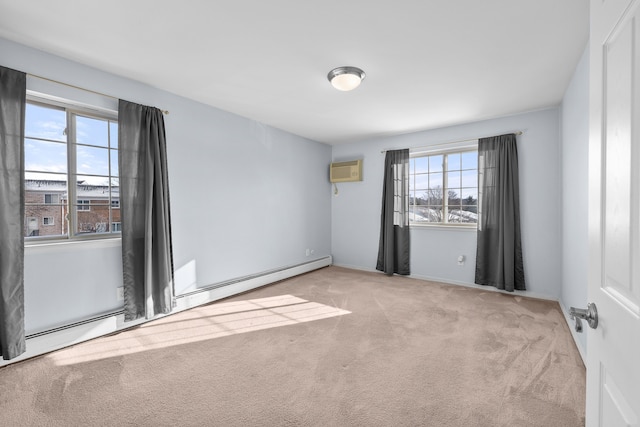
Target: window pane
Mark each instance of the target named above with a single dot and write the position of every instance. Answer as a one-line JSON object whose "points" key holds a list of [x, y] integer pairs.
{"points": [[453, 179], [115, 171], [41, 189], [470, 160], [469, 214], [421, 165], [471, 195], [453, 161], [91, 131], [92, 222], [434, 214], [92, 216], [421, 182], [92, 160], [420, 198], [92, 191], [434, 196], [420, 214], [435, 180], [44, 122], [101, 180], [470, 205], [113, 135], [94, 204], [44, 220], [453, 197], [435, 163], [470, 178], [44, 156], [46, 176]]}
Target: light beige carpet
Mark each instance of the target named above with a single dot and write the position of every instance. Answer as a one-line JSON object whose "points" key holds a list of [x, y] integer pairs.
{"points": [[335, 347]]}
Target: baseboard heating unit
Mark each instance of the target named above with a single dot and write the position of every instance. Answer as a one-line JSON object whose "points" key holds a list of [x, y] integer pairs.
{"points": [[64, 336]]}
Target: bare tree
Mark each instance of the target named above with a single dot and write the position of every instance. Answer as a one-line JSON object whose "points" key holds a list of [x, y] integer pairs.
{"points": [[429, 207]]}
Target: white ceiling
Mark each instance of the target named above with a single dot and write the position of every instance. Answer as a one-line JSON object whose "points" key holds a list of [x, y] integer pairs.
{"points": [[429, 63]]}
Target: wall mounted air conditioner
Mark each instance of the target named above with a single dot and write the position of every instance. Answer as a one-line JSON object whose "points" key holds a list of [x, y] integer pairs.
{"points": [[346, 171]]}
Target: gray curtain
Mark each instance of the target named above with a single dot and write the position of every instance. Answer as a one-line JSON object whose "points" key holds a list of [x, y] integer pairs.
{"points": [[147, 258], [499, 254], [394, 249], [13, 91]]}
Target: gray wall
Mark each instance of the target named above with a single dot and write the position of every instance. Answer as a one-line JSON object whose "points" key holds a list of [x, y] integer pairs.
{"points": [[245, 198], [356, 209], [575, 191]]}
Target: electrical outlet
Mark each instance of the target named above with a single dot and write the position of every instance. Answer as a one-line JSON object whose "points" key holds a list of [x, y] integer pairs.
{"points": [[308, 252], [120, 293], [461, 260]]}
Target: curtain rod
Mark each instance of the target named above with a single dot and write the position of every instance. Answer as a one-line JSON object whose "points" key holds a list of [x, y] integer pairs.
{"points": [[451, 142], [81, 88]]}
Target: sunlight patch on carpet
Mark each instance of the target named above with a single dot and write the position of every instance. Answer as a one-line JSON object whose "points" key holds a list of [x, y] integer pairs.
{"points": [[200, 324]]}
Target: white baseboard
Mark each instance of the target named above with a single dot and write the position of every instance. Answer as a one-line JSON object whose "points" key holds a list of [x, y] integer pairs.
{"points": [[204, 296], [528, 294], [574, 334], [48, 342], [460, 283]]}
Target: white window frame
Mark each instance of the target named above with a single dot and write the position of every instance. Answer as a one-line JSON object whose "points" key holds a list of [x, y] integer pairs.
{"points": [[73, 109], [48, 220], [85, 204], [444, 150], [51, 198]]}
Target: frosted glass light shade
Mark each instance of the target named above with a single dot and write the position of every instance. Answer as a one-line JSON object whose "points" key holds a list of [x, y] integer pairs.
{"points": [[346, 78]]}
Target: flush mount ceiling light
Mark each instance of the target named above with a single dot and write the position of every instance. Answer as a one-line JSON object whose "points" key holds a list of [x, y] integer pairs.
{"points": [[346, 78]]}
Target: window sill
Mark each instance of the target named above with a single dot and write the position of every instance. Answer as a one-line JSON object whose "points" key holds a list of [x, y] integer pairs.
{"points": [[448, 227], [75, 241]]}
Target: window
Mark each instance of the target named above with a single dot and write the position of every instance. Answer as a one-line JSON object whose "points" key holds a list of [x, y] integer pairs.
{"points": [[71, 154], [115, 227], [83, 205], [51, 199], [444, 187]]}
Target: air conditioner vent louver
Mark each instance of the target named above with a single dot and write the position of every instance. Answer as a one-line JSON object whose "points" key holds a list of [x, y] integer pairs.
{"points": [[346, 171]]}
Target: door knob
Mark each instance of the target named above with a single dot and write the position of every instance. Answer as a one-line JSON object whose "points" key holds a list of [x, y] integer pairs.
{"points": [[590, 315]]}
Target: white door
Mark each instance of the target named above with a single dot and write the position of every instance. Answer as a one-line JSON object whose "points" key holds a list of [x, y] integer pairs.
{"points": [[613, 348]]}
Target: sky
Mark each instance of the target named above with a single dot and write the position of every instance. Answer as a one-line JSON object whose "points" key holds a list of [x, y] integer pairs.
{"points": [[462, 176], [46, 150]]}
